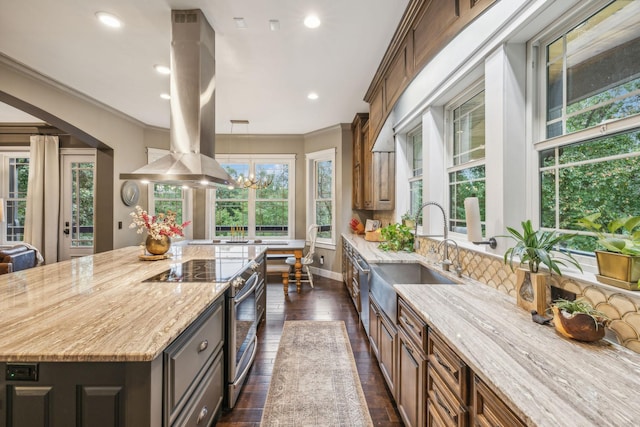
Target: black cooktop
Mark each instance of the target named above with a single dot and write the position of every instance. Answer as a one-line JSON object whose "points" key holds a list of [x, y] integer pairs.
{"points": [[200, 270]]}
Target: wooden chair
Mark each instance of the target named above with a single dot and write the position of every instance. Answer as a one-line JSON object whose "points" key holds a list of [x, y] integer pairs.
{"points": [[307, 260]]}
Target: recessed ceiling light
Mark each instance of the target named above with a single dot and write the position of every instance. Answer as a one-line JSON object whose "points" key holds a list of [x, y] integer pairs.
{"points": [[312, 21], [109, 19], [274, 24], [162, 69], [312, 95], [165, 96], [241, 24]]}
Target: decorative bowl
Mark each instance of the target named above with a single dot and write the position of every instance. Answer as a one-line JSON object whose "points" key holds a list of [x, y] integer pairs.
{"points": [[578, 326]]}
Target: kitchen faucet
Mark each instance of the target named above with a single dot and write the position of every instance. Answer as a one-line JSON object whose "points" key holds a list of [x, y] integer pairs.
{"points": [[457, 266], [445, 234]]}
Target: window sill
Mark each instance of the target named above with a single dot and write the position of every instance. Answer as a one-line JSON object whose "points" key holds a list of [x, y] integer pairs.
{"points": [[329, 246]]}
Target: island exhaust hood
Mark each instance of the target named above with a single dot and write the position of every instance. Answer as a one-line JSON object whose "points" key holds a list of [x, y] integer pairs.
{"points": [[192, 128]]}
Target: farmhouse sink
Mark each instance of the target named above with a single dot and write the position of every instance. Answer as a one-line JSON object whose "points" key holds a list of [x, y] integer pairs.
{"points": [[384, 276]]}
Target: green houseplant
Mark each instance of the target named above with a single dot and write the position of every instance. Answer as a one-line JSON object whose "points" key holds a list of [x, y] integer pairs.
{"points": [[578, 320], [619, 262], [539, 247], [535, 247], [408, 219], [397, 237]]}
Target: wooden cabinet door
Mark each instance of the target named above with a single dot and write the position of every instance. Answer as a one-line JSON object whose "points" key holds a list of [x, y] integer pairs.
{"points": [[367, 171], [410, 385], [489, 410], [384, 180], [388, 354], [374, 327], [357, 129]]}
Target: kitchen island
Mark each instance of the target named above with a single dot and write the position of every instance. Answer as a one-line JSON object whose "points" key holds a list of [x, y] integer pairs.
{"points": [[88, 339]]}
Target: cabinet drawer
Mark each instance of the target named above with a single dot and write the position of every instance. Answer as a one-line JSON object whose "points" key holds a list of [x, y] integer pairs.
{"points": [[207, 399], [186, 358], [451, 368], [448, 406], [434, 419], [412, 324], [489, 410]]}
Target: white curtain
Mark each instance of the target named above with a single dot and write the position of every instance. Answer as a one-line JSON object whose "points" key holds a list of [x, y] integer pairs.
{"points": [[43, 197]]}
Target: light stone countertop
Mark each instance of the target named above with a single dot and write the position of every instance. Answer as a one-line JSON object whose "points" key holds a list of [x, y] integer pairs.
{"points": [[546, 379], [98, 309], [370, 252]]}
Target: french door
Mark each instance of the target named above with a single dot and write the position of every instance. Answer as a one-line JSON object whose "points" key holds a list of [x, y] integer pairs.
{"points": [[77, 191]]}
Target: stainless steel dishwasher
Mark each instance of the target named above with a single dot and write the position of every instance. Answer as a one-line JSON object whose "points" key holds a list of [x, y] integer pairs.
{"points": [[364, 274]]}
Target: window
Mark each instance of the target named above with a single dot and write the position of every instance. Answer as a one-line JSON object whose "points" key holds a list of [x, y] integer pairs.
{"points": [[321, 194], [593, 70], [467, 147], [14, 190], [414, 150], [591, 105], [266, 212], [165, 197]]}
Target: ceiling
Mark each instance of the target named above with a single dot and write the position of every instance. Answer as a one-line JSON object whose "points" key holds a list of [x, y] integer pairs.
{"points": [[262, 76]]}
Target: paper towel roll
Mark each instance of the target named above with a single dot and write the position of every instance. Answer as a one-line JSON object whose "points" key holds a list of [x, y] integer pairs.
{"points": [[472, 214]]}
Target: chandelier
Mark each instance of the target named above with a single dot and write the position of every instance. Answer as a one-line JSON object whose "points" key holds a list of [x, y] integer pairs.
{"points": [[254, 182], [251, 181]]}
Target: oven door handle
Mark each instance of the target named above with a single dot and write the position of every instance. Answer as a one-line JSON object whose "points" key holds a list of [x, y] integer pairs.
{"points": [[254, 278], [362, 269], [240, 377]]}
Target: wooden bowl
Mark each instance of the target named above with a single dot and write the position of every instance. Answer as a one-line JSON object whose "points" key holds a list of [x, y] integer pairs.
{"points": [[580, 327]]}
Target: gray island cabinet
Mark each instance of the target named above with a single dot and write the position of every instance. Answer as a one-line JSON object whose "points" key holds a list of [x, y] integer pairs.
{"points": [[88, 342]]}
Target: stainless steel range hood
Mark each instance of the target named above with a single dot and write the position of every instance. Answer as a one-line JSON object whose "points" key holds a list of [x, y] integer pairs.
{"points": [[192, 137]]}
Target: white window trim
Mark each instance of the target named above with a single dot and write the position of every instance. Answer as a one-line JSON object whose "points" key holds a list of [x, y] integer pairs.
{"points": [[253, 159], [154, 154], [310, 159], [464, 96], [5, 154]]}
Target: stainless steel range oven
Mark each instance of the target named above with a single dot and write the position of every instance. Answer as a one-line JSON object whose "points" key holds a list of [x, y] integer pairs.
{"points": [[242, 323]]}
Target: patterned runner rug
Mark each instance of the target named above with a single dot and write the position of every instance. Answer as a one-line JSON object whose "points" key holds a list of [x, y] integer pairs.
{"points": [[315, 381]]}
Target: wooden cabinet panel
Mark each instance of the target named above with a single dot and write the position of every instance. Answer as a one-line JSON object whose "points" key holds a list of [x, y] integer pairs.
{"points": [[377, 112], [357, 130], [489, 410], [411, 381], [397, 77], [387, 347], [186, 358], [433, 29], [29, 406], [449, 407], [100, 406], [374, 330], [384, 180], [451, 368]]}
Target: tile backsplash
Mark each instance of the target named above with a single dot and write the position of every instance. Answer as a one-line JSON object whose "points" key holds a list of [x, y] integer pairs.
{"points": [[622, 307]]}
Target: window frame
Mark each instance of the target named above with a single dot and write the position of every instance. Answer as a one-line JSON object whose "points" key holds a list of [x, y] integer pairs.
{"points": [[537, 48], [154, 154], [311, 159], [464, 96], [412, 177], [253, 160], [6, 155]]}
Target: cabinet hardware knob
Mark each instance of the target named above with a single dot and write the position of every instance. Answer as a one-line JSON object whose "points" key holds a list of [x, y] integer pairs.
{"points": [[203, 413], [203, 346]]}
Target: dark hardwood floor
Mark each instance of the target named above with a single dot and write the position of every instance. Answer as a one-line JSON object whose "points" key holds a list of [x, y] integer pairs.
{"points": [[329, 300]]}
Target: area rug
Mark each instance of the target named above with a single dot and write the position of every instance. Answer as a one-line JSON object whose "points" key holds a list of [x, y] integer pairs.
{"points": [[314, 380]]}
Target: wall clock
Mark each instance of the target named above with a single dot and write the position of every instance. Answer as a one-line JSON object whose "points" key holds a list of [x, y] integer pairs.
{"points": [[130, 193]]}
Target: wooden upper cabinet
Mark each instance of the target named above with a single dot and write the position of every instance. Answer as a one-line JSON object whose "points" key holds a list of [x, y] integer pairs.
{"points": [[426, 27], [357, 127]]}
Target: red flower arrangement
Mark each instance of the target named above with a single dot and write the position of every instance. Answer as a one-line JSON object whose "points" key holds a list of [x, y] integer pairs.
{"points": [[164, 224]]}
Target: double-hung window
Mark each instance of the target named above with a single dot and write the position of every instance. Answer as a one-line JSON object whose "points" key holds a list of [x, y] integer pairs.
{"points": [[589, 159], [321, 190], [166, 197], [414, 154], [466, 136], [256, 211], [15, 168]]}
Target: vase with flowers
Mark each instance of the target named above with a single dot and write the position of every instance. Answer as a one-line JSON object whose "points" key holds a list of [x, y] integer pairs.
{"points": [[160, 229]]}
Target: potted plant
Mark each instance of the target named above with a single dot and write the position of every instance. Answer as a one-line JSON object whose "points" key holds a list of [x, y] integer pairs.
{"points": [[408, 220], [619, 262], [534, 248], [579, 320], [396, 237]]}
